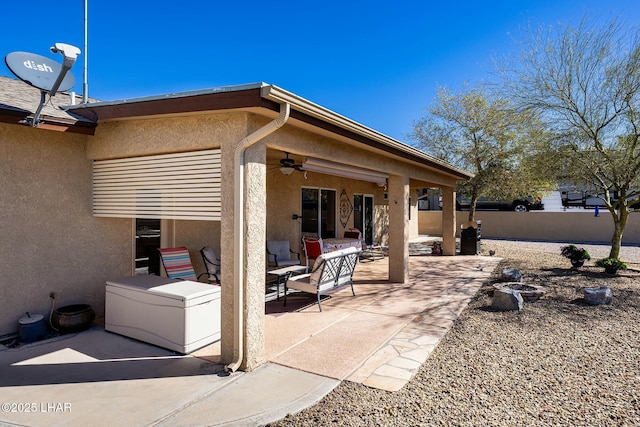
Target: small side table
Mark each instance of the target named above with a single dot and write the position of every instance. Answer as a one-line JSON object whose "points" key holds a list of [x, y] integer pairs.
{"points": [[284, 273]]}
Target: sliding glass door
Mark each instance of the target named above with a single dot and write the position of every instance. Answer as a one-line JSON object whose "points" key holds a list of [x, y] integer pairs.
{"points": [[363, 216], [318, 212]]}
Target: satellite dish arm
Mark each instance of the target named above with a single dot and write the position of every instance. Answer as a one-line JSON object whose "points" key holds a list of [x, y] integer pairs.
{"points": [[35, 121], [70, 54], [56, 85]]}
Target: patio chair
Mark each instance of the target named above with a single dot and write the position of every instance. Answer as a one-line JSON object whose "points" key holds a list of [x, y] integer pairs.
{"points": [[331, 269], [373, 250], [279, 254], [312, 247], [177, 263], [353, 233], [211, 263]]}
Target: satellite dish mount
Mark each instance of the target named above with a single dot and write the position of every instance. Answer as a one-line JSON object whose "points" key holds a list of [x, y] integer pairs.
{"points": [[39, 71]]}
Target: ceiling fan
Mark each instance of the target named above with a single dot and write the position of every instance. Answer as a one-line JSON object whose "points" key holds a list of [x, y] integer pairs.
{"points": [[287, 165]]}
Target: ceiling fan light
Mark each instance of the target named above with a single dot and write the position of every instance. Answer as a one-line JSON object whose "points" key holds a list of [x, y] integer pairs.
{"points": [[286, 170]]}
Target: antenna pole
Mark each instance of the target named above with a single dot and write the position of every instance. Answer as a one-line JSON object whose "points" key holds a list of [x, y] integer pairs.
{"points": [[85, 84]]}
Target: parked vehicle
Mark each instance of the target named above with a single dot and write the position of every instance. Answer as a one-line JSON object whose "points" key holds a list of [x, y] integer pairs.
{"points": [[526, 204], [588, 199]]}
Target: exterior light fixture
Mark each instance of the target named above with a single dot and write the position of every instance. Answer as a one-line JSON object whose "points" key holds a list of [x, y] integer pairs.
{"points": [[286, 170]]}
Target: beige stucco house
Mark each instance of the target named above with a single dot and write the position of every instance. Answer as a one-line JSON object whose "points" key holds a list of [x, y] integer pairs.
{"points": [[205, 166]]}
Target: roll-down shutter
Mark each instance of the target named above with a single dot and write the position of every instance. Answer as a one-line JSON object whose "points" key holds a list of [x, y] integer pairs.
{"points": [[169, 186]]}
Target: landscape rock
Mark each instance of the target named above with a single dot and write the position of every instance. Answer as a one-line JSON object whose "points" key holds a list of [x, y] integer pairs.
{"points": [[511, 275], [598, 296], [507, 299]]}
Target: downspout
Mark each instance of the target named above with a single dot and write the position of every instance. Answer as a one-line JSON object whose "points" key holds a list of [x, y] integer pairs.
{"points": [[238, 230]]}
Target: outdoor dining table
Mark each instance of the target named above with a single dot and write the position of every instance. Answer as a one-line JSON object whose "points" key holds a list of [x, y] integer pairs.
{"points": [[329, 245]]}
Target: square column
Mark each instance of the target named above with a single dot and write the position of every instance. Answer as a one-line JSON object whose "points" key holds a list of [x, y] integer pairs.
{"points": [[252, 264], [448, 221], [398, 190], [255, 233]]}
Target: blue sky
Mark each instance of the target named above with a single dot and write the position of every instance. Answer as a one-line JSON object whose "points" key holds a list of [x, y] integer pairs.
{"points": [[376, 62]]}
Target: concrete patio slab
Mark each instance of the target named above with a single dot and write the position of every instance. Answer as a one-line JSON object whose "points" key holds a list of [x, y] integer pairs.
{"points": [[392, 327], [266, 394], [101, 379], [378, 338], [294, 328], [84, 374], [336, 351]]}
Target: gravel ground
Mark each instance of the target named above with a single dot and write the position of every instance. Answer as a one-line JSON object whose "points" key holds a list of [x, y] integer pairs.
{"points": [[556, 362]]}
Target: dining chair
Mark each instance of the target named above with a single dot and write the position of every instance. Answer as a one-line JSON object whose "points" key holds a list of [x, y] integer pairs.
{"points": [[368, 251], [312, 249]]}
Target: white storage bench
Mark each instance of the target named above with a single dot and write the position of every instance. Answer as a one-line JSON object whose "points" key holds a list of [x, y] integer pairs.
{"points": [[179, 315]]}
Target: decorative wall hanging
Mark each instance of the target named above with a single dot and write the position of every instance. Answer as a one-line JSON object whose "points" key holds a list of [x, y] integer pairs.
{"points": [[346, 208]]}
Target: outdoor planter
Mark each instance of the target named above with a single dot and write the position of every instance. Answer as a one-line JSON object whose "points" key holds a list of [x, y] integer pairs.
{"points": [[72, 318], [577, 256], [577, 263]]}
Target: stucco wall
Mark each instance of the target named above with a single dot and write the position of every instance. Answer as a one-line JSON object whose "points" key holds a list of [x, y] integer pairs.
{"points": [[284, 199], [165, 135], [552, 226], [50, 240]]}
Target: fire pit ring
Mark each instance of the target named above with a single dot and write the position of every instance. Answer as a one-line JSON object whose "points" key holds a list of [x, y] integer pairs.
{"points": [[528, 292]]}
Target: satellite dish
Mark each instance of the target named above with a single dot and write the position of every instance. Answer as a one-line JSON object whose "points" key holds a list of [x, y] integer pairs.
{"points": [[38, 71]]}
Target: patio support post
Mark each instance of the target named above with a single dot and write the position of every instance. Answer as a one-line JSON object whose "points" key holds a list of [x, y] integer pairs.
{"points": [[448, 221], [255, 236], [398, 190], [234, 226]]}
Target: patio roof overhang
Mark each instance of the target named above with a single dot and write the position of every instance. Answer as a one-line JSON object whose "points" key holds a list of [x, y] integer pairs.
{"points": [[259, 98], [263, 99]]}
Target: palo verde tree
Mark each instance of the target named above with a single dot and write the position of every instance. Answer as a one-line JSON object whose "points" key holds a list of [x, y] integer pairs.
{"points": [[484, 135], [585, 82]]}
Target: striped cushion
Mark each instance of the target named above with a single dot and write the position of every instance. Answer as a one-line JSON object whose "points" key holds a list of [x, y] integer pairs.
{"points": [[177, 263]]}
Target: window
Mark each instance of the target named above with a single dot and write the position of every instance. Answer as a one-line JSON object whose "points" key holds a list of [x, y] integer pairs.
{"points": [[147, 244], [319, 212]]}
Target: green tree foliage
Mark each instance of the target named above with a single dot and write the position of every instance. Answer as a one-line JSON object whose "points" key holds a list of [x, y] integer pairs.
{"points": [[585, 82], [484, 135]]}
